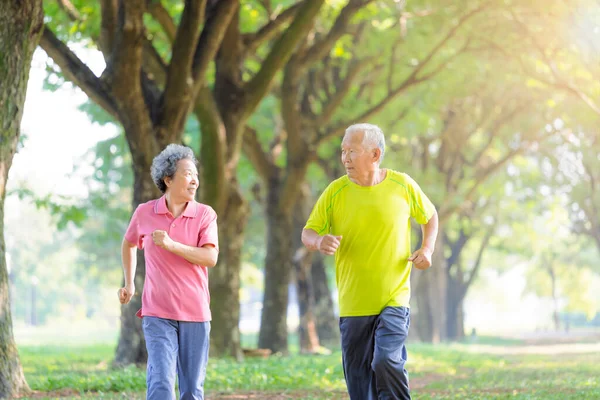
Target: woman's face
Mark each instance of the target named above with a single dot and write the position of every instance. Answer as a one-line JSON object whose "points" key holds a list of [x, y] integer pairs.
{"points": [[184, 183]]}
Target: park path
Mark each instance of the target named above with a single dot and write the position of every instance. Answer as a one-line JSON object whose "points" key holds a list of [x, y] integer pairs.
{"points": [[549, 349]]}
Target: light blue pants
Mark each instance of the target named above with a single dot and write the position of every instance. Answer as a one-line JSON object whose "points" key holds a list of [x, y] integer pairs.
{"points": [[176, 346]]}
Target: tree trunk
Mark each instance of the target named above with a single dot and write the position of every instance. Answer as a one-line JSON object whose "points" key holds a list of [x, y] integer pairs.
{"points": [[327, 322], [131, 348], [224, 279], [430, 297], [307, 329], [555, 308], [302, 260], [454, 307], [460, 321], [21, 23], [273, 324]]}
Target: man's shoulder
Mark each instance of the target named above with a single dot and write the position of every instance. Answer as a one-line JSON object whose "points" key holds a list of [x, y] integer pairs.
{"points": [[338, 184], [401, 177]]}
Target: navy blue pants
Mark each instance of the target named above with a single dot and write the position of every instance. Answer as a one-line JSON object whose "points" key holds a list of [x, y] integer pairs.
{"points": [[374, 354], [176, 346]]}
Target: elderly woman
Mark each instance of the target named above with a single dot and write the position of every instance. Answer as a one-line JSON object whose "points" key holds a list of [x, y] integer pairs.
{"points": [[179, 238]]}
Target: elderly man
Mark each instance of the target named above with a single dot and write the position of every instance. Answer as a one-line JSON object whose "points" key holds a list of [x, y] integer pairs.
{"points": [[363, 219], [179, 238]]}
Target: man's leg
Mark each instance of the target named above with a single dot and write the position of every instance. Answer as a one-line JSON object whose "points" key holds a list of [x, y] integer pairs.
{"points": [[193, 357], [357, 335], [161, 343], [390, 354]]}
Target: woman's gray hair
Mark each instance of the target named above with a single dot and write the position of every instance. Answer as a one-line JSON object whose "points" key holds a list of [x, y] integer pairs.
{"points": [[165, 164], [373, 137]]}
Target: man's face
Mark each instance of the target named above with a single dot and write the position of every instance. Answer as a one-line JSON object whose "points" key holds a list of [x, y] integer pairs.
{"points": [[184, 183], [356, 158]]}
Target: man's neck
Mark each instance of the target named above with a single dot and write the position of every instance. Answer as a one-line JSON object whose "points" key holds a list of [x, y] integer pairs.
{"points": [[371, 178]]}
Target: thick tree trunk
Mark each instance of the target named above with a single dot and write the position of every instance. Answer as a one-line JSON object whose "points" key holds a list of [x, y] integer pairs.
{"points": [[224, 279], [307, 329], [430, 297], [21, 23], [302, 260], [327, 323], [273, 325], [131, 348]]}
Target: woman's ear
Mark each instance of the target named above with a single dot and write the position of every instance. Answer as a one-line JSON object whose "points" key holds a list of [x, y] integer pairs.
{"points": [[167, 181]]}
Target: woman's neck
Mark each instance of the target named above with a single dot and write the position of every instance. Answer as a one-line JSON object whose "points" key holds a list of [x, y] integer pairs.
{"points": [[174, 205]]}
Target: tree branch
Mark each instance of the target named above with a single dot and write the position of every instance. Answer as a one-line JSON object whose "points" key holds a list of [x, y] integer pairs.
{"points": [[253, 40], [178, 95], [340, 127], [108, 27], [213, 150], [280, 53], [318, 51], [410, 81], [496, 128], [334, 102], [211, 38], [561, 82], [77, 72], [477, 263], [69, 9], [457, 247], [162, 16], [479, 180], [154, 64], [443, 64], [255, 153], [126, 60]]}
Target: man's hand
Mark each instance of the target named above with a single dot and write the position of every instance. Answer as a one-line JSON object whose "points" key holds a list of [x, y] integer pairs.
{"points": [[126, 293], [162, 239], [421, 258], [328, 244]]}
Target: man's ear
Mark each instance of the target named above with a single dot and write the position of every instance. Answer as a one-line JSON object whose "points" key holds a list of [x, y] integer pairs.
{"points": [[376, 154]]}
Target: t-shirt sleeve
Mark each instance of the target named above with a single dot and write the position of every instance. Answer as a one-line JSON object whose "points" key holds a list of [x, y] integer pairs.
{"points": [[421, 208], [320, 216], [209, 232], [132, 235]]}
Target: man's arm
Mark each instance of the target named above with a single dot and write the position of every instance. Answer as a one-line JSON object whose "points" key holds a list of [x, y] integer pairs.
{"points": [[310, 239], [326, 244], [430, 232], [421, 258]]}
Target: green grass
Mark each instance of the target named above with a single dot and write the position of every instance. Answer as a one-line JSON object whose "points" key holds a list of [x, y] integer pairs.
{"points": [[437, 372]]}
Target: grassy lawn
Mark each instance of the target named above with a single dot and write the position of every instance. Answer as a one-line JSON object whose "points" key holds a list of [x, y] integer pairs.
{"points": [[437, 372]]}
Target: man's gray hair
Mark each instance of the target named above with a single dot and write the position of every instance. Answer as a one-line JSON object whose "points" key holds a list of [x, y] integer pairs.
{"points": [[373, 137], [165, 164]]}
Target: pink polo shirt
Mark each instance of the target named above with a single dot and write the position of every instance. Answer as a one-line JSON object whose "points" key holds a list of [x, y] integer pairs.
{"points": [[174, 287]]}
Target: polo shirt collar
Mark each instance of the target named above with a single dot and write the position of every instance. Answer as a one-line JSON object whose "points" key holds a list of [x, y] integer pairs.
{"points": [[191, 210]]}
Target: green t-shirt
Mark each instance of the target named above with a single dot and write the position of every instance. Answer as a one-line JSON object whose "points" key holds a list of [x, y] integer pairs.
{"points": [[372, 267]]}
